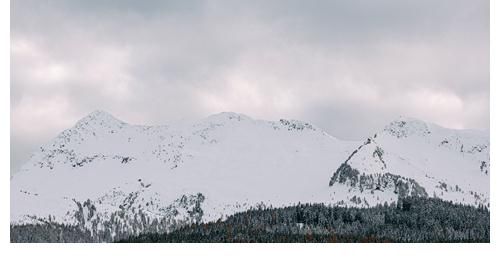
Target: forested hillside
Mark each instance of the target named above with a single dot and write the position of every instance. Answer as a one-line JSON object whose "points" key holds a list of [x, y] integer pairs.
{"points": [[410, 220]]}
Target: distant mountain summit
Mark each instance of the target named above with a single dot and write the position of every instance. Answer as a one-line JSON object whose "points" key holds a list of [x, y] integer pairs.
{"points": [[117, 179], [411, 157]]}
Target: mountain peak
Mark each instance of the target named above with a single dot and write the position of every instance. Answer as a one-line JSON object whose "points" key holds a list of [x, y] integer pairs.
{"points": [[406, 126], [99, 118], [100, 114], [223, 116]]}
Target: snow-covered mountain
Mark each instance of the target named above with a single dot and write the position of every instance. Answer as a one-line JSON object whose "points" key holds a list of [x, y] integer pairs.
{"points": [[116, 179], [411, 157]]}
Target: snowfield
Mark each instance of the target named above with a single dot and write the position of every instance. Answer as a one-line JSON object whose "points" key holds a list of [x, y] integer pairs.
{"points": [[116, 178]]}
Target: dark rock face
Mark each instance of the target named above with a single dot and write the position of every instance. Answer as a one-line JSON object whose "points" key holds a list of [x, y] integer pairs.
{"points": [[401, 186]]}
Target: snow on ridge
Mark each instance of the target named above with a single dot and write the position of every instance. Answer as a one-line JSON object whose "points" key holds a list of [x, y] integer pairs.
{"points": [[233, 160], [98, 118], [404, 127], [237, 162], [227, 116], [449, 164]]}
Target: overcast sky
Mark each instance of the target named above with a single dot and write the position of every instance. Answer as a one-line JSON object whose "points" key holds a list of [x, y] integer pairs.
{"points": [[347, 66]]}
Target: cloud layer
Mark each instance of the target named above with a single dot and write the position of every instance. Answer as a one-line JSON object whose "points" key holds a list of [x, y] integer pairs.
{"points": [[347, 66]]}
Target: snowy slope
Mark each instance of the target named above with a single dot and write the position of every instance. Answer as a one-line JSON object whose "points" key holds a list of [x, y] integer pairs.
{"points": [[103, 167], [411, 157], [116, 178]]}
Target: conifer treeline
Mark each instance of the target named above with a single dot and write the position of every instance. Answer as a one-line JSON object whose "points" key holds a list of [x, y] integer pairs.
{"points": [[410, 220]]}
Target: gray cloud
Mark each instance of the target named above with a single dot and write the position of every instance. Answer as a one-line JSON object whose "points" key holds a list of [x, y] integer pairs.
{"points": [[347, 66]]}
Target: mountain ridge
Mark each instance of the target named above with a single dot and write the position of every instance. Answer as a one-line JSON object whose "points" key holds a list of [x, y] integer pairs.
{"points": [[107, 175]]}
